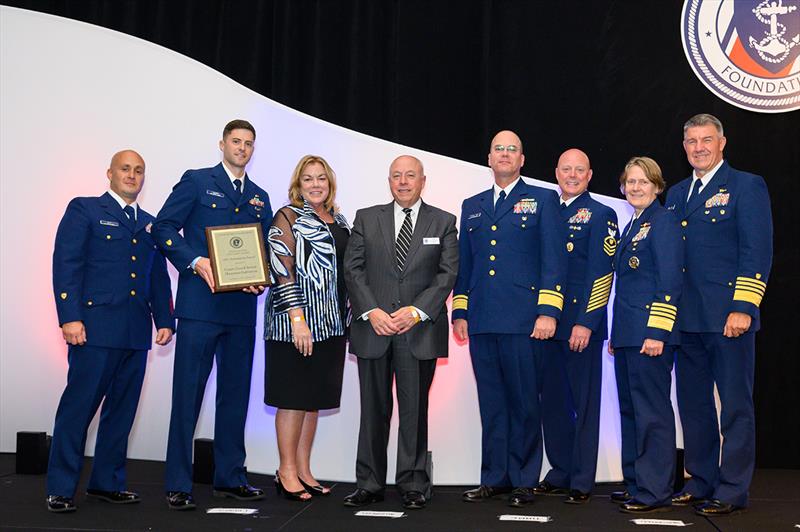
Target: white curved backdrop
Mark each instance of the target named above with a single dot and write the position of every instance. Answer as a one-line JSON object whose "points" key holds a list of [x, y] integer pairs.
{"points": [[71, 95]]}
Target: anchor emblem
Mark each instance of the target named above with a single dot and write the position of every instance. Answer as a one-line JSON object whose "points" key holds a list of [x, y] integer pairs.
{"points": [[773, 48]]}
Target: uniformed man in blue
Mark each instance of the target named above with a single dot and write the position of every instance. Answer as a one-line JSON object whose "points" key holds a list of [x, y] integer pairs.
{"points": [[727, 225], [571, 368], [648, 264], [110, 285], [507, 300], [210, 324]]}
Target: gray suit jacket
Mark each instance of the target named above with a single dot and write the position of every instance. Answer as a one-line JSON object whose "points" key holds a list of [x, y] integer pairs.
{"points": [[373, 279]]}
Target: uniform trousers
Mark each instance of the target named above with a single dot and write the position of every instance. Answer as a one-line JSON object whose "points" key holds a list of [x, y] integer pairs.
{"points": [[702, 360], [413, 378], [508, 397], [198, 345], [570, 385], [95, 373], [647, 423]]}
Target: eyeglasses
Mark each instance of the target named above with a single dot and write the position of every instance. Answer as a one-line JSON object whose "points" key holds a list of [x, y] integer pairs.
{"points": [[510, 148]]}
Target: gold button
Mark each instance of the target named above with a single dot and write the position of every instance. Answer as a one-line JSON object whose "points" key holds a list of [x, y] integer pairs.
{"points": [[523, 226], [194, 272], [684, 223], [572, 235], [494, 228], [63, 295], [713, 219], [108, 237], [89, 303], [722, 211], [133, 275], [258, 216], [574, 300], [730, 283], [133, 257], [491, 257], [684, 270], [169, 242], [647, 306], [133, 292], [493, 242], [684, 237], [533, 288], [236, 209], [213, 205], [758, 276], [558, 288], [134, 240], [491, 272], [524, 218], [707, 212]]}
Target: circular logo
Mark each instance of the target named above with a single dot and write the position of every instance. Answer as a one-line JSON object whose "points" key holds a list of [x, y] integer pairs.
{"points": [[236, 242], [633, 262], [746, 51]]}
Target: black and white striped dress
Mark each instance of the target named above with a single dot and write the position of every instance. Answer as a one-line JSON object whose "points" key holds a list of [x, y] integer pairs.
{"points": [[304, 256]]}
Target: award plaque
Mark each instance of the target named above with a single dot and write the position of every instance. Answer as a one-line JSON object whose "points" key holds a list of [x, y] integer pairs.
{"points": [[238, 256]]}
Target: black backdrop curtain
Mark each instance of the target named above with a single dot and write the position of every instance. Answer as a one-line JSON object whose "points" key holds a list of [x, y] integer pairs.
{"points": [[607, 76]]}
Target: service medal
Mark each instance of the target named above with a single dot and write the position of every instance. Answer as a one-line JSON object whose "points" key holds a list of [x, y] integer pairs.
{"points": [[633, 262]]}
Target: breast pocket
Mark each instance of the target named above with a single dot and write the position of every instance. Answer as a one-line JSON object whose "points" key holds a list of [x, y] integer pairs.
{"points": [[473, 228], [524, 228], [107, 242]]}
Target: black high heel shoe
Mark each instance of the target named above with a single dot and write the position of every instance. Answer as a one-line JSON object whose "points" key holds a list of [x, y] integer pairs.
{"points": [[291, 495], [315, 491]]}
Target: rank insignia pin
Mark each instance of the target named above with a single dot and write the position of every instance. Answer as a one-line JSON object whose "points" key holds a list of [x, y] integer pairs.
{"points": [[633, 262]]}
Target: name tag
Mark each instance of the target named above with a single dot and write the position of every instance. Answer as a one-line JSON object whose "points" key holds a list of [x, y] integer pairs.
{"points": [[109, 222], [215, 193], [433, 240]]}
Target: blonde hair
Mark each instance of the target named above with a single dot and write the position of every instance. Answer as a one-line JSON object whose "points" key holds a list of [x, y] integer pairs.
{"points": [[295, 190], [650, 169]]}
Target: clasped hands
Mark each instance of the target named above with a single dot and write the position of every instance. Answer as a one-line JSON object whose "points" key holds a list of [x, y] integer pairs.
{"points": [[398, 322], [203, 269]]}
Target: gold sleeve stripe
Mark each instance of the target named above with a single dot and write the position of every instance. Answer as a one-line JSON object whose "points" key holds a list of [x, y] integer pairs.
{"points": [[756, 282], [665, 315], [606, 279], [460, 302], [599, 294], [597, 304], [748, 296], [671, 309], [748, 284], [660, 323], [549, 297]]}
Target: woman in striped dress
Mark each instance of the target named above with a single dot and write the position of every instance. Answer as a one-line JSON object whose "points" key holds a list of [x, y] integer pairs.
{"points": [[305, 320]]}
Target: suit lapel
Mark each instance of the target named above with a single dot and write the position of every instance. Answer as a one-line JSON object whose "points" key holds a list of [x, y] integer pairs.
{"points": [[424, 220], [248, 190], [486, 201], [142, 219], [643, 218], [111, 207], [224, 183], [681, 192], [386, 223]]}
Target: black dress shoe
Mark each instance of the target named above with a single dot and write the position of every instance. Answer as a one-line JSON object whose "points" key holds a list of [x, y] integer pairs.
{"points": [[481, 493], [545, 488], [521, 497], [316, 490], [240, 493], [413, 500], [180, 500], [362, 497], [717, 507], [621, 497], [59, 504], [114, 497], [685, 498], [577, 497], [635, 507]]}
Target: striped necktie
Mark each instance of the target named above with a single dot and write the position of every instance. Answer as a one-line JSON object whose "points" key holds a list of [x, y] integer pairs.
{"points": [[403, 241]]}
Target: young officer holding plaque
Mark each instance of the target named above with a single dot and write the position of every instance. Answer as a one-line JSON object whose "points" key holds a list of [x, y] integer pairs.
{"points": [[212, 323]]}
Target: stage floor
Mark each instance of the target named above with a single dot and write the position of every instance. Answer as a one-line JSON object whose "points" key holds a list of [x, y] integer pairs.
{"points": [[774, 505]]}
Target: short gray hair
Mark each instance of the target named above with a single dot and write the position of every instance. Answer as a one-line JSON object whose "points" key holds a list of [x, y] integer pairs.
{"points": [[703, 119]]}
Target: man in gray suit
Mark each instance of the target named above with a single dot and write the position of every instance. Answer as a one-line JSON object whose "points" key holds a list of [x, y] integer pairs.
{"points": [[400, 266]]}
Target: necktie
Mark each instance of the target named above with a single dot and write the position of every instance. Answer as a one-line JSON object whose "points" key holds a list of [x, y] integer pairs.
{"points": [[131, 215], [695, 190], [499, 203], [237, 186], [403, 240]]}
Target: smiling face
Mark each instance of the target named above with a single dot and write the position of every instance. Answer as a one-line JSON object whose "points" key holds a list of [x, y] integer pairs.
{"points": [[505, 157], [126, 174], [406, 180], [237, 148], [573, 173], [703, 146], [639, 190], [315, 185]]}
